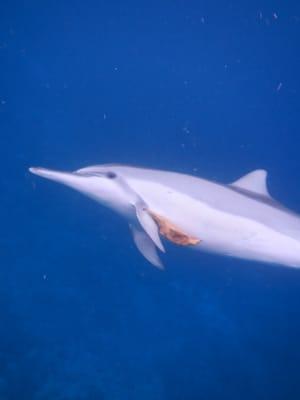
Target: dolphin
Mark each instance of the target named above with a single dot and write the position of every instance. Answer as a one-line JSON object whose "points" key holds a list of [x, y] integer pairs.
{"points": [[239, 219]]}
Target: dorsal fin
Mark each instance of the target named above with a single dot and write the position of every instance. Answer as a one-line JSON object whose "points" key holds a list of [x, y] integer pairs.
{"points": [[255, 181]]}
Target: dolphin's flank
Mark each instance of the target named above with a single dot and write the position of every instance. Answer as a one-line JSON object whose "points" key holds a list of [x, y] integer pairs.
{"points": [[240, 219]]}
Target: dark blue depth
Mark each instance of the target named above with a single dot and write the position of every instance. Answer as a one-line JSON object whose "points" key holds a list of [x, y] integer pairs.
{"points": [[207, 88]]}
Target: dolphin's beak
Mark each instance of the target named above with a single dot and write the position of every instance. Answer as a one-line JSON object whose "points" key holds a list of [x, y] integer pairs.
{"points": [[66, 178]]}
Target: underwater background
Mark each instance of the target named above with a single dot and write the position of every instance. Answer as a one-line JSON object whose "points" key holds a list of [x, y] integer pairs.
{"points": [[206, 88]]}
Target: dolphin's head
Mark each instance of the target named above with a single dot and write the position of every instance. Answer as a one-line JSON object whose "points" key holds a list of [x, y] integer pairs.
{"points": [[101, 183]]}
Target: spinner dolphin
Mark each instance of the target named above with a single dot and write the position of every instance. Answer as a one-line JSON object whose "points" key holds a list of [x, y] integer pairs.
{"points": [[240, 219]]}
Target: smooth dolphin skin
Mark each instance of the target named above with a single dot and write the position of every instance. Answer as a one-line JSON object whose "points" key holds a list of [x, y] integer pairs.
{"points": [[240, 219]]}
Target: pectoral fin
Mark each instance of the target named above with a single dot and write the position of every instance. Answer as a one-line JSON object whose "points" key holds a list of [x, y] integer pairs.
{"points": [[148, 224], [146, 246]]}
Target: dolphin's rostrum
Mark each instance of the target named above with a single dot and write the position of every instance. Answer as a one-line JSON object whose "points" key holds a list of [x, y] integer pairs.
{"points": [[240, 219]]}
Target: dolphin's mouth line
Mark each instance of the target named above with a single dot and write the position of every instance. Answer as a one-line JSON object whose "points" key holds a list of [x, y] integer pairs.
{"points": [[89, 174]]}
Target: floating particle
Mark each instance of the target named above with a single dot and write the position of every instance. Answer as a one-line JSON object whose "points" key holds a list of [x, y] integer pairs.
{"points": [[279, 86]]}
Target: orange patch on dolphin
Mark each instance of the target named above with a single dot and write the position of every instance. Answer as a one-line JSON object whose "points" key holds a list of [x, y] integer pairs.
{"points": [[173, 232]]}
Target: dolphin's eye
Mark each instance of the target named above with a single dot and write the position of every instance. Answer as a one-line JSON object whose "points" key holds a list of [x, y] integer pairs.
{"points": [[111, 175]]}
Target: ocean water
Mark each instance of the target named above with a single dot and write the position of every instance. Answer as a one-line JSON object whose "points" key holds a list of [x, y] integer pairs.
{"points": [[205, 88]]}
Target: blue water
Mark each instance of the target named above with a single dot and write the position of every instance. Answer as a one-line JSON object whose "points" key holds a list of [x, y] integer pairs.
{"points": [[206, 88]]}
